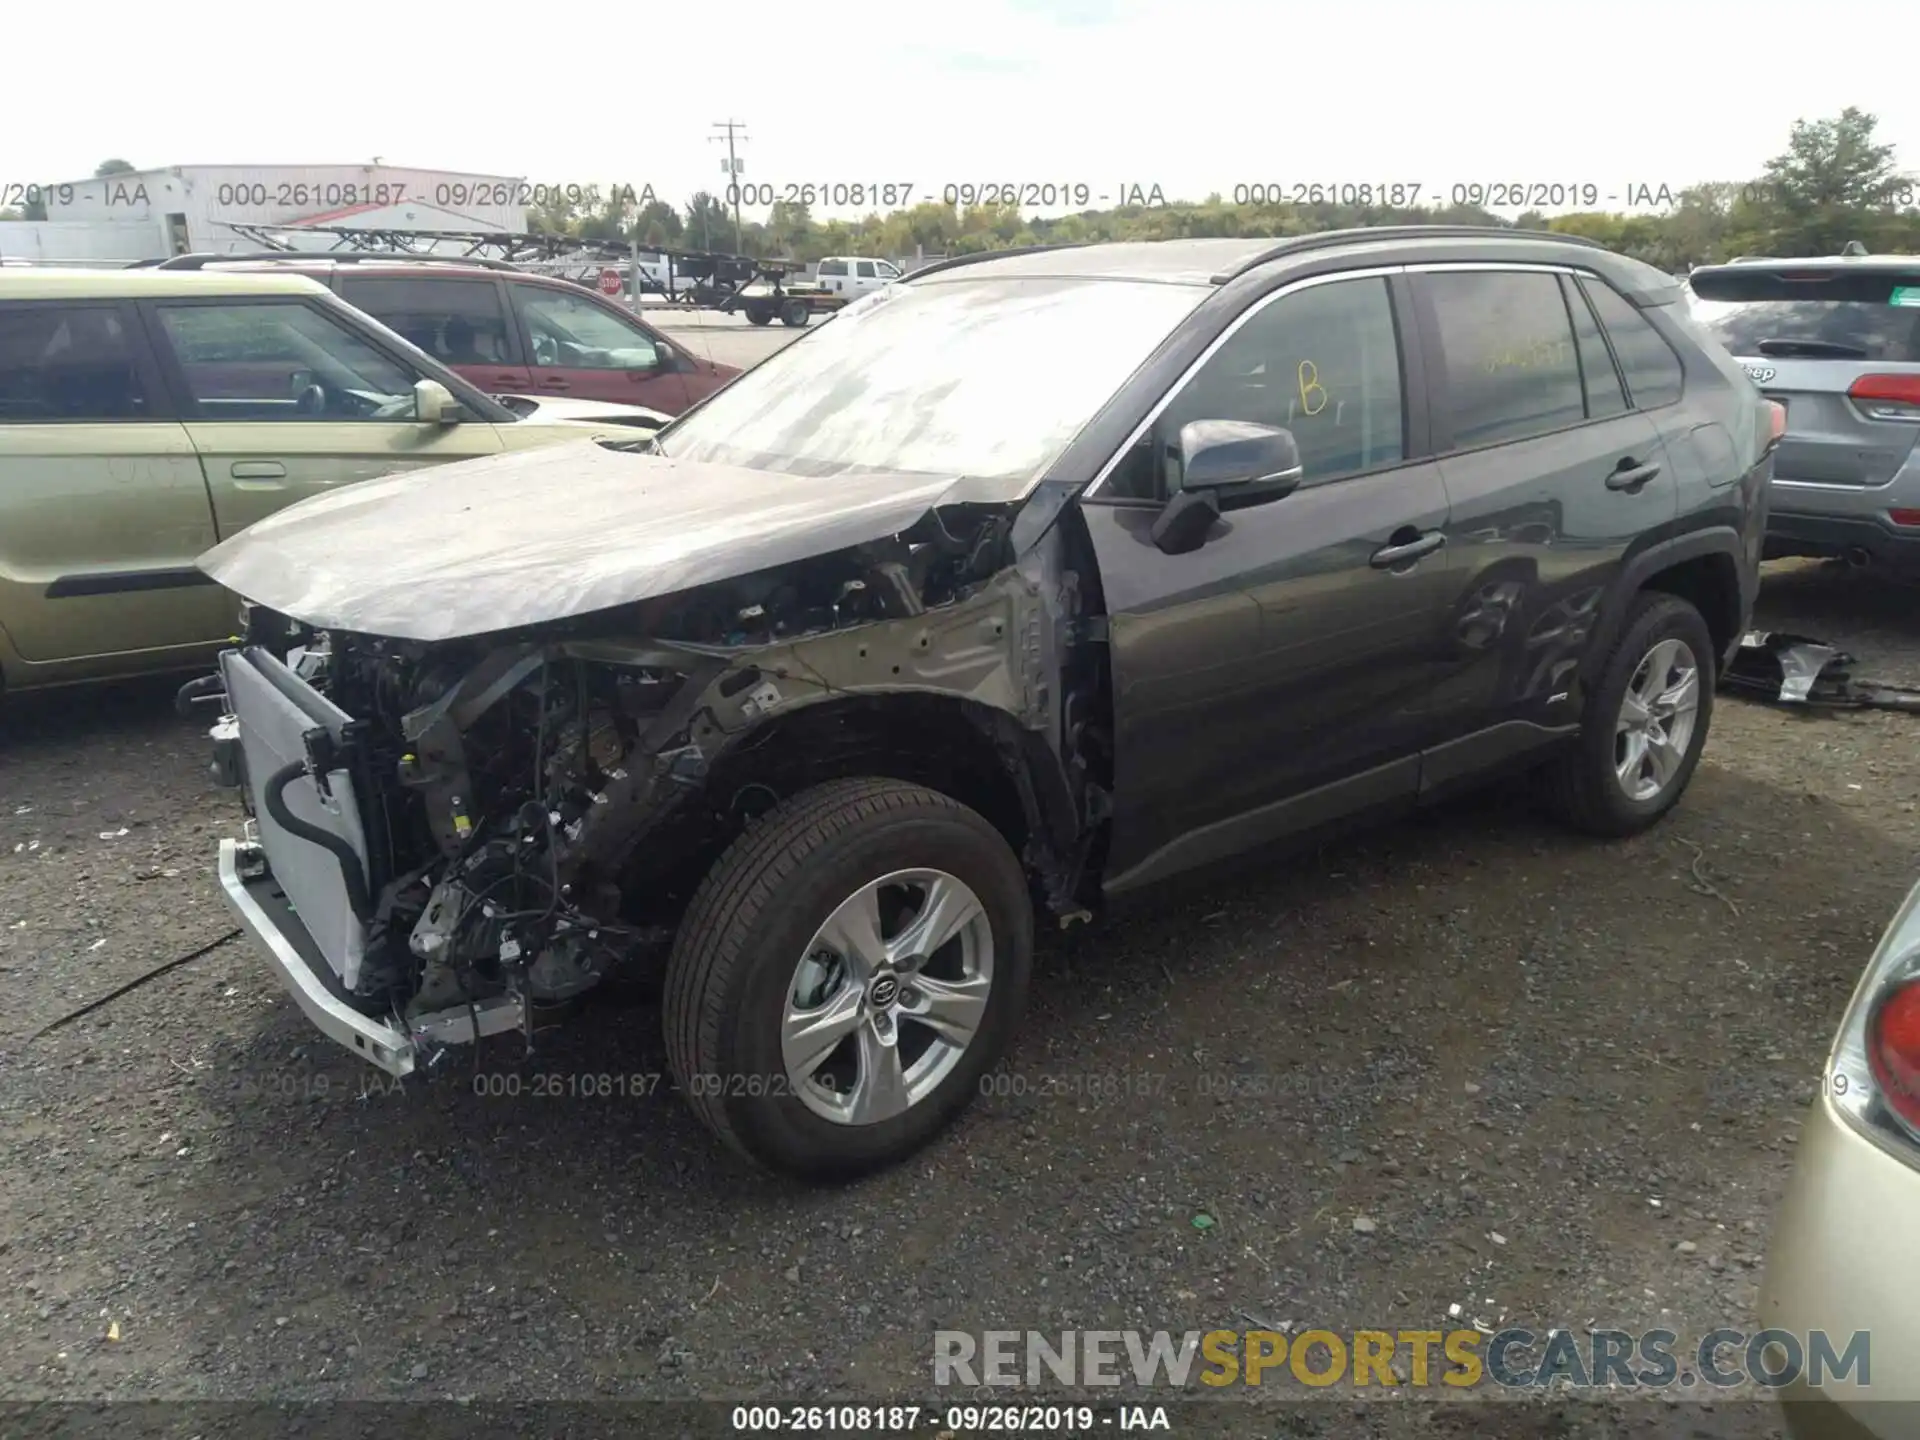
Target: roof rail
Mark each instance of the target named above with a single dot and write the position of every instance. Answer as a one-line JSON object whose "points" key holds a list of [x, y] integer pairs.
{"points": [[201, 259], [1327, 239], [973, 257]]}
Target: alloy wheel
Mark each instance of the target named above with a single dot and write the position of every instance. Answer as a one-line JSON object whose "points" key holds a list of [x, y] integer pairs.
{"points": [[1657, 717], [887, 997]]}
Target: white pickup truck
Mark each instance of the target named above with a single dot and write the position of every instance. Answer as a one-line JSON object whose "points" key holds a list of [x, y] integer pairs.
{"points": [[854, 275]]}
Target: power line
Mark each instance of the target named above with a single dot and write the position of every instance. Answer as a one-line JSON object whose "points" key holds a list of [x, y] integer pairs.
{"points": [[733, 170]]}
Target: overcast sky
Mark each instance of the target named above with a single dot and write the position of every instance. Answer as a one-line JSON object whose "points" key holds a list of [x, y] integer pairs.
{"points": [[1192, 95]]}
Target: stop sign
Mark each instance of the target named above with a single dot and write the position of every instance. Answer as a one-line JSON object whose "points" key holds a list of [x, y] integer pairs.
{"points": [[610, 281]]}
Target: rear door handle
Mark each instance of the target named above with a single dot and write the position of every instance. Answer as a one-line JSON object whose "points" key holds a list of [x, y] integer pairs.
{"points": [[556, 384], [1390, 556], [258, 470], [1630, 474]]}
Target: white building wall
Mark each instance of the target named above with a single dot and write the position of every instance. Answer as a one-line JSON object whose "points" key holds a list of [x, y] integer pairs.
{"points": [[82, 242]]}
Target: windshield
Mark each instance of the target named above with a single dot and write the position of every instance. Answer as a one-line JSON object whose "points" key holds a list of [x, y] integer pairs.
{"points": [[1865, 315], [983, 378]]}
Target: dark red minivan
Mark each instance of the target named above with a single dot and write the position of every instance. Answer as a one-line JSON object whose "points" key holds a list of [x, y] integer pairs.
{"points": [[515, 333]]}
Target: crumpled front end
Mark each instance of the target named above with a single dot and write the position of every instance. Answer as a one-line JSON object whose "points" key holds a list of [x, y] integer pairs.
{"points": [[445, 837]]}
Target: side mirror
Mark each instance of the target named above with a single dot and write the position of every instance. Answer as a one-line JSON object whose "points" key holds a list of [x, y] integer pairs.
{"points": [[433, 404], [1246, 463]]}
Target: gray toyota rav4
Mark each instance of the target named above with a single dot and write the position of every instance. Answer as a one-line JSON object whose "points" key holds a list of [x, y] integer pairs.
{"points": [[1023, 583]]}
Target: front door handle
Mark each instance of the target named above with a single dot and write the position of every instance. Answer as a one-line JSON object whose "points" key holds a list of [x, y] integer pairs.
{"points": [[555, 382], [258, 470], [1630, 474], [1390, 557]]}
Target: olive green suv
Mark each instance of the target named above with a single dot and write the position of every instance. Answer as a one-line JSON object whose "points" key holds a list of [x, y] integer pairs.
{"points": [[147, 415]]}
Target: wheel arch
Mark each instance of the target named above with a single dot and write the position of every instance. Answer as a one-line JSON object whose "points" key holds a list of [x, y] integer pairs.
{"points": [[969, 751], [1703, 567]]}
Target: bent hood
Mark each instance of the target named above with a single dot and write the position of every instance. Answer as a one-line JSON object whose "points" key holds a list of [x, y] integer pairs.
{"points": [[533, 536]]}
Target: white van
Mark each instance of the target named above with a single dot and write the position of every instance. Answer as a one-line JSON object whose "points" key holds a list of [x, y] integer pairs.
{"points": [[854, 275]]}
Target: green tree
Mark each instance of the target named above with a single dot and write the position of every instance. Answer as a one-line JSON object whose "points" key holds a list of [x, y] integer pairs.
{"points": [[658, 224], [612, 221], [558, 211], [112, 167], [1833, 183], [789, 228], [709, 222]]}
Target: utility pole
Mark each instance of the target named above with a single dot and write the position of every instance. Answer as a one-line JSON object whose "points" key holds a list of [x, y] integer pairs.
{"points": [[733, 170]]}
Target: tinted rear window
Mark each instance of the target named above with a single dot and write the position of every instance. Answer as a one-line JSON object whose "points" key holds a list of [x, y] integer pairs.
{"points": [[1764, 311]]}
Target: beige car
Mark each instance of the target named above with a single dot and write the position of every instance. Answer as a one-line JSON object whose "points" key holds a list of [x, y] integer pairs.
{"points": [[1843, 1265], [147, 415]]}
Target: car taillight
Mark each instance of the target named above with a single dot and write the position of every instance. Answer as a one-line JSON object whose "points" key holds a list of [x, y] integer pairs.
{"points": [[1893, 1051], [1873, 1072], [1887, 397], [1776, 422], [1904, 517]]}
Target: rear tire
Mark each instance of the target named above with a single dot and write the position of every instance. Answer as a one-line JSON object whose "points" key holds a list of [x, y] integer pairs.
{"points": [[759, 314], [755, 958], [1620, 776], [796, 313]]}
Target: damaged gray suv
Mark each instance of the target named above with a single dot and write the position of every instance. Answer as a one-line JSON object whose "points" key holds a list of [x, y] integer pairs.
{"points": [[1025, 582]]}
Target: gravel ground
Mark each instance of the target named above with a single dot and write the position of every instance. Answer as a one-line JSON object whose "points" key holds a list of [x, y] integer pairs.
{"points": [[1454, 1062]]}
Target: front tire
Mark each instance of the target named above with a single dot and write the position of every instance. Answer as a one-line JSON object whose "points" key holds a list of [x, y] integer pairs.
{"points": [[796, 314], [1645, 725], [845, 975]]}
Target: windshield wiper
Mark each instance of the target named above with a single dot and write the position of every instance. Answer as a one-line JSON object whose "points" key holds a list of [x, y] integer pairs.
{"points": [[1811, 350]]}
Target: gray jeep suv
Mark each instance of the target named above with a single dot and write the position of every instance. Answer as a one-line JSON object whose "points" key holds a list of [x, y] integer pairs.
{"points": [[1837, 341], [1028, 581]]}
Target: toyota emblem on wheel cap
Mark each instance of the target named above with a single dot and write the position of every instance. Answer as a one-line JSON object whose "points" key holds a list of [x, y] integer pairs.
{"points": [[884, 991]]}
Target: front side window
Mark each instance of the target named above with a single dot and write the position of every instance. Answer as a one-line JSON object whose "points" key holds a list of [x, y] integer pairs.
{"points": [[67, 362], [279, 361], [863, 269], [1511, 364], [1323, 362], [458, 322], [980, 377], [1654, 373], [569, 332]]}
